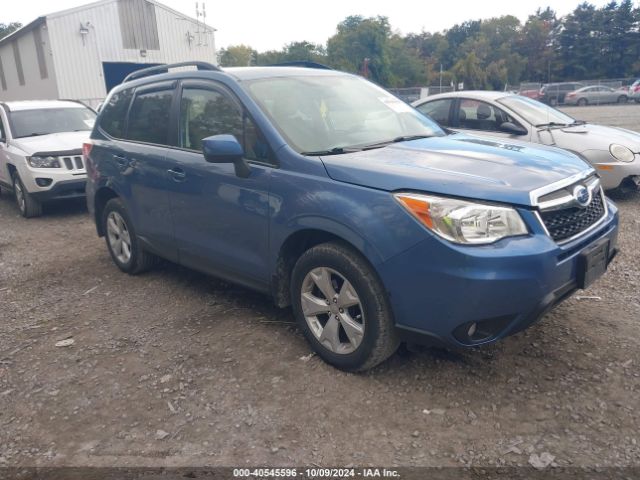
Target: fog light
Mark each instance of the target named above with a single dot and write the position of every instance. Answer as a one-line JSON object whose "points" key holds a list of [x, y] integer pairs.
{"points": [[43, 182], [472, 329]]}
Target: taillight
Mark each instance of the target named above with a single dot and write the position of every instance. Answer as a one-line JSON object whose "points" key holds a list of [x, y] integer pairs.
{"points": [[571, 94], [637, 89], [88, 164]]}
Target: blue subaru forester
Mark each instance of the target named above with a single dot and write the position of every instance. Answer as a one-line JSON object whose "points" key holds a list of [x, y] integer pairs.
{"points": [[333, 196]]}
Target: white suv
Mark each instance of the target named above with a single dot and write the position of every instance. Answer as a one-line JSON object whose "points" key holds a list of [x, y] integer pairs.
{"points": [[41, 151]]}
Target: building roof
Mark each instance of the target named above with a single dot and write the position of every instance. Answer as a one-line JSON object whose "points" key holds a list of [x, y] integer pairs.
{"points": [[40, 20]]}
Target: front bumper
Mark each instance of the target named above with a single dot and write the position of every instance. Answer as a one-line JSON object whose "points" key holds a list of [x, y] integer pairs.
{"points": [[438, 289], [63, 189]]}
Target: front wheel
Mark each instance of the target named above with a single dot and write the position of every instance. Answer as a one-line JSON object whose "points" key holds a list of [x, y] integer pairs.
{"points": [[28, 206], [123, 244], [342, 307]]}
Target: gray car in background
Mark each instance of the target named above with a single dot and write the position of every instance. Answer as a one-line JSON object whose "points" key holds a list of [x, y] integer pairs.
{"points": [[595, 95], [510, 118]]}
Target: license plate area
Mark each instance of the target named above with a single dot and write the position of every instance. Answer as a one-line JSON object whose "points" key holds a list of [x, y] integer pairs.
{"points": [[592, 263]]}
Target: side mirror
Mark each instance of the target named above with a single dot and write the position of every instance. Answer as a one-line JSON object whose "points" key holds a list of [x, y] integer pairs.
{"points": [[512, 128], [225, 149]]}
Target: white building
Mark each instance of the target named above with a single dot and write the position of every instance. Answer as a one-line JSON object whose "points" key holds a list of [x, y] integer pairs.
{"points": [[83, 52]]}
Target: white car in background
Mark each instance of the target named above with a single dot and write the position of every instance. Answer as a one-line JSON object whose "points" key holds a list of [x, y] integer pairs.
{"points": [[41, 151], [614, 152]]}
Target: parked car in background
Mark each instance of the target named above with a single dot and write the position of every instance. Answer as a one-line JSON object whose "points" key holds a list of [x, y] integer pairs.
{"points": [[595, 95], [41, 151], [634, 91], [614, 152], [554, 93], [531, 93], [333, 196]]}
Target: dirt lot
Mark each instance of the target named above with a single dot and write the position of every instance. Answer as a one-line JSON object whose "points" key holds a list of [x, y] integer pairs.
{"points": [[175, 368]]}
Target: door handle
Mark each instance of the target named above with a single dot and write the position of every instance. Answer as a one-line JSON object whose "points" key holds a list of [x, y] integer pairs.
{"points": [[177, 174], [121, 160]]}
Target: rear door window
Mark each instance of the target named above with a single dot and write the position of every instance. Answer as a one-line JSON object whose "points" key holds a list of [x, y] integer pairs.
{"points": [[438, 110], [149, 117]]}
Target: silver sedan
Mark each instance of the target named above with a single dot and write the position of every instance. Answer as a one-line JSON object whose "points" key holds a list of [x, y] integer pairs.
{"points": [[614, 152], [595, 95]]}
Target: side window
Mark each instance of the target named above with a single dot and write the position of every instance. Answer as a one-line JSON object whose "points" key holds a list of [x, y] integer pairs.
{"points": [[204, 113], [114, 113], [149, 117], [477, 115], [3, 136], [438, 110]]}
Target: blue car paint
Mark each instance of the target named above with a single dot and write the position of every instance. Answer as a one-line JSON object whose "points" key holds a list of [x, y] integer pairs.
{"points": [[434, 286]]}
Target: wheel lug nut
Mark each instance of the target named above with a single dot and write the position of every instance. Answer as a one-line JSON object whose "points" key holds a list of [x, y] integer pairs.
{"points": [[341, 310], [335, 300]]}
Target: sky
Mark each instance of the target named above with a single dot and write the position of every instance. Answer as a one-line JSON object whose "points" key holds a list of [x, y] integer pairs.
{"points": [[267, 25]]}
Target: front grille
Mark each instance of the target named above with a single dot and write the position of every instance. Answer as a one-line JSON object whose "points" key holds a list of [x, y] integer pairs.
{"points": [[568, 222], [73, 163]]}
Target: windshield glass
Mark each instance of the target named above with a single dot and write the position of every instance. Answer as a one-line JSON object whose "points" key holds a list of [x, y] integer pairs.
{"points": [[534, 112], [43, 121], [329, 113]]}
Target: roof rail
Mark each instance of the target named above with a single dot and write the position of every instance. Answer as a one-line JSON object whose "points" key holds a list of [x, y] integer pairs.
{"points": [[304, 64], [145, 72]]}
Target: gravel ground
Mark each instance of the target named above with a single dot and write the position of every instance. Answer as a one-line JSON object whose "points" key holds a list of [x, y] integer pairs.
{"points": [[176, 368]]}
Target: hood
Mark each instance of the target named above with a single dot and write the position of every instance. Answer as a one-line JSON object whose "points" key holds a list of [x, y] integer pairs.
{"points": [[54, 142], [458, 165], [597, 137]]}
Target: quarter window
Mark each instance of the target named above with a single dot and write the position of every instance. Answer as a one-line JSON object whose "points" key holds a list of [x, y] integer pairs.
{"points": [[149, 117], [114, 113], [204, 113]]}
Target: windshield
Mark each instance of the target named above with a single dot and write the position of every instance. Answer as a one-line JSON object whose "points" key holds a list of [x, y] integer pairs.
{"points": [[534, 112], [332, 114], [43, 121]]}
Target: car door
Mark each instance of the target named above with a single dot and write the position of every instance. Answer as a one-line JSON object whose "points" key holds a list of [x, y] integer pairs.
{"points": [[221, 220], [140, 162], [483, 118]]}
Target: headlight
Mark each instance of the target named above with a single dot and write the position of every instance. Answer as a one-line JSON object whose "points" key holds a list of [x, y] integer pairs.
{"points": [[620, 152], [460, 221], [44, 162]]}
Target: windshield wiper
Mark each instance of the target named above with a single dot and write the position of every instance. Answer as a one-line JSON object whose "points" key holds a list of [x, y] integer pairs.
{"points": [[403, 138], [332, 151], [552, 124]]}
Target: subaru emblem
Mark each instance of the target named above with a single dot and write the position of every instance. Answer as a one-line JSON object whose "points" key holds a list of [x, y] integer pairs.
{"points": [[582, 195]]}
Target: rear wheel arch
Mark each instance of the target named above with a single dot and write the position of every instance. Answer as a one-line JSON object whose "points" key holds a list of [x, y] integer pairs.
{"points": [[102, 197]]}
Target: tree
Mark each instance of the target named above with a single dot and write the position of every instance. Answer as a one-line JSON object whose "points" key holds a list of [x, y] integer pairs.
{"points": [[9, 28], [469, 71], [237, 56], [361, 41]]}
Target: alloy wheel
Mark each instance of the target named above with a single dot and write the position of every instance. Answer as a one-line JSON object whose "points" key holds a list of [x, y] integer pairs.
{"points": [[333, 310], [119, 237]]}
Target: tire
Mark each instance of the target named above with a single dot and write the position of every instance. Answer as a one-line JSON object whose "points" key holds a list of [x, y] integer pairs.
{"points": [[583, 102], [363, 348], [28, 206], [623, 99], [553, 102], [129, 256]]}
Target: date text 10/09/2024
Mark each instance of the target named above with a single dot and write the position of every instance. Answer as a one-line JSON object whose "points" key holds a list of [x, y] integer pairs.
{"points": [[286, 473]]}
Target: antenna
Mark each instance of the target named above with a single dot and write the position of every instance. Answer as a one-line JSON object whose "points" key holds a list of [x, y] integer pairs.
{"points": [[204, 23], [198, 24]]}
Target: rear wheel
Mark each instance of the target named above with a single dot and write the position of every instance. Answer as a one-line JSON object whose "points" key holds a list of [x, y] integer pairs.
{"points": [[28, 206], [123, 244], [342, 308], [582, 102], [623, 99]]}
